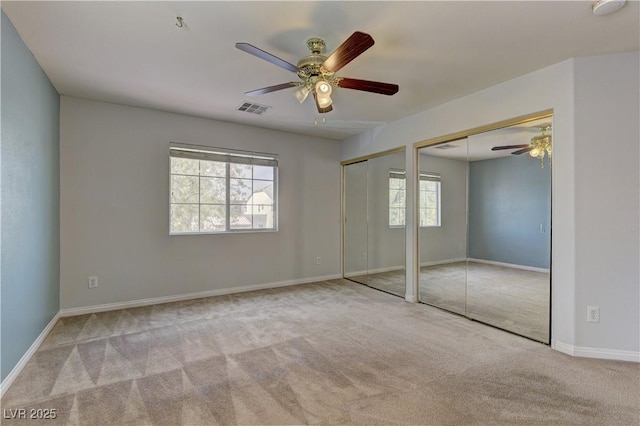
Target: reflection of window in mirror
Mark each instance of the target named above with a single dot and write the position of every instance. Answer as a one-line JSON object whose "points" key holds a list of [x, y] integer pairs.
{"points": [[430, 185], [397, 196]]}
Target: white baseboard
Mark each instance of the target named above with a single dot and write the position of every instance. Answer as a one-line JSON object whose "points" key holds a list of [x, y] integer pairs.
{"points": [[188, 296], [509, 265], [17, 369], [386, 269], [600, 353], [374, 271], [411, 298], [565, 348], [443, 262]]}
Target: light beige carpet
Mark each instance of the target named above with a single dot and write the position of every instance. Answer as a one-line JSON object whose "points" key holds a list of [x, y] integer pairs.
{"points": [[327, 353]]}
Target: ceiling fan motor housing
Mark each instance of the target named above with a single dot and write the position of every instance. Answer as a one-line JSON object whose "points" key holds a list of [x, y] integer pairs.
{"points": [[310, 66]]}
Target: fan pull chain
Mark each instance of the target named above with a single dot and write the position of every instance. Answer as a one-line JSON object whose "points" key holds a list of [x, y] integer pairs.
{"points": [[315, 121]]}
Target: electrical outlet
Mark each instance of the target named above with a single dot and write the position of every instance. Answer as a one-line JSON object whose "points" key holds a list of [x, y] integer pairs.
{"points": [[93, 282], [318, 260], [593, 314]]}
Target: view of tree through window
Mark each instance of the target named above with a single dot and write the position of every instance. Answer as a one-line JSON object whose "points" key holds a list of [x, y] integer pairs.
{"points": [[221, 190]]}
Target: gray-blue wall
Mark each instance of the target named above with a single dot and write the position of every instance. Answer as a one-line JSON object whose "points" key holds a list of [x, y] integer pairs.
{"points": [[509, 198], [30, 206]]}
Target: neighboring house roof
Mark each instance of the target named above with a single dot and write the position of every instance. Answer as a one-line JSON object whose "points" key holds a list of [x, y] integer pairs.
{"points": [[267, 190], [262, 196]]}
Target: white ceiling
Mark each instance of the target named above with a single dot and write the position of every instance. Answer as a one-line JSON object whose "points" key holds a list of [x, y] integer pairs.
{"points": [[132, 52]]}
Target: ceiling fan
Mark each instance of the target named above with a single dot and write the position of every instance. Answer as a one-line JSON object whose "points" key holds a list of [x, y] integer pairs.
{"points": [[317, 71], [538, 146]]}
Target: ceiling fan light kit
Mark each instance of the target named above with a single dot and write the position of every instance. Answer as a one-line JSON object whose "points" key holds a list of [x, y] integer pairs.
{"points": [[541, 144], [301, 93], [538, 147], [605, 7], [317, 71], [323, 93]]}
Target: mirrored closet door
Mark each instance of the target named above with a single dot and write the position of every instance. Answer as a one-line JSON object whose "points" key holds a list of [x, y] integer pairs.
{"points": [[374, 222], [355, 222], [442, 204], [485, 227]]}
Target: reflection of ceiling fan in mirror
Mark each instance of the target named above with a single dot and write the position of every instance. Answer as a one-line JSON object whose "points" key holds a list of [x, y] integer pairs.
{"points": [[317, 71], [538, 146]]}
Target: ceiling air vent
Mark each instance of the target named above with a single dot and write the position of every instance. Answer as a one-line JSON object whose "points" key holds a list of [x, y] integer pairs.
{"points": [[253, 108], [445, 146]]}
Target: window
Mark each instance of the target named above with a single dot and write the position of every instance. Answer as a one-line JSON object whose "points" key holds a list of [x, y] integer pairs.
{"points": [[429, 199], [215, 190], [397, 195]]}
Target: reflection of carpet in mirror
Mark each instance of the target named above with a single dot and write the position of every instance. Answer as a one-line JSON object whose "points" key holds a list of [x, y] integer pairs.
{"points": [[513, 299], [391, 281], [444, 286]]}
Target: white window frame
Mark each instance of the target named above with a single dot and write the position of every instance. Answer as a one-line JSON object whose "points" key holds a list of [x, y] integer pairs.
{"points": [[228, 157], [424, 176]]}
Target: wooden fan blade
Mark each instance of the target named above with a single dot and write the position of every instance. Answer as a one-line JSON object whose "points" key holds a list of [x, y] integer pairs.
{"points": [[368, 86], [246, 47], [522, 151], [498, 148], [355, 45], [270, 89], [320, 109]]}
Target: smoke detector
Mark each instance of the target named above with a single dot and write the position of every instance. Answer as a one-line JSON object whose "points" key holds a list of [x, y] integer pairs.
{"points": [[605, 7]]}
